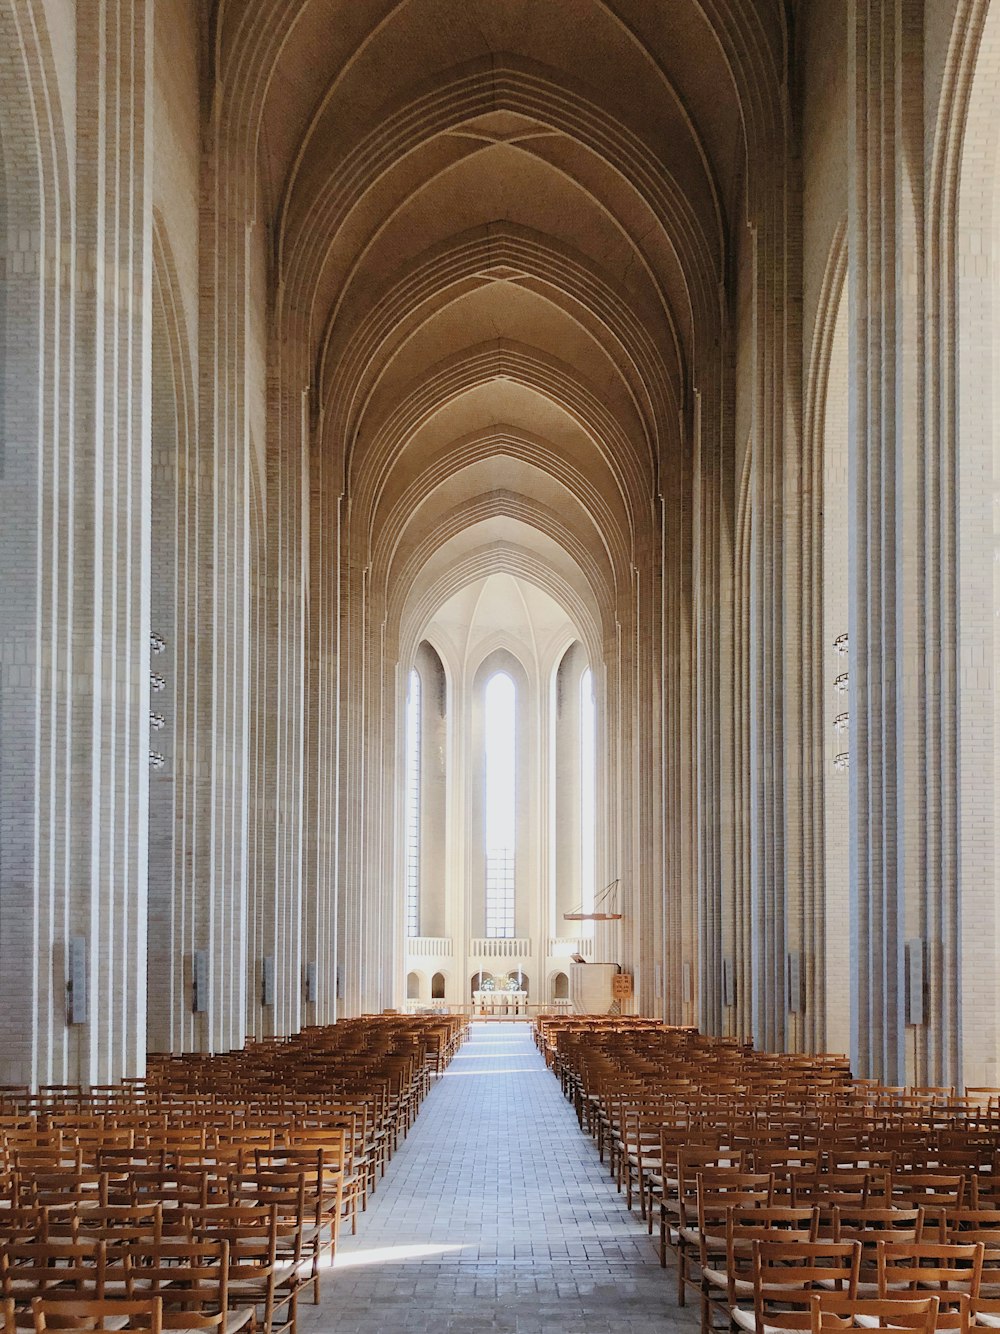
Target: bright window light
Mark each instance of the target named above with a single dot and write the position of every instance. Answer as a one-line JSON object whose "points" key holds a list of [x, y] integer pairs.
{"points": [[588, 790], [500, 717], [413, 805]]}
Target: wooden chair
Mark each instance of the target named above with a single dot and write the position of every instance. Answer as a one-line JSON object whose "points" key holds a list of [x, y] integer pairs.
{"points": [[661, 1182], [102, 1316], [832, 1312], [950, 1271], [844, 1187], [727, 1285], [298, 1206], [929, 1190], [717, 1192], [963, 1226], [33, 1269], [32, 1222], [637, 1146], [869, 1225], [119, 1222], [785, 1278], [338, 1145], [192, 1281], [251, 1234], [680, 1178]]}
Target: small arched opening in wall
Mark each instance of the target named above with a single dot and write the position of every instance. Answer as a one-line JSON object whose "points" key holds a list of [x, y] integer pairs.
{"points": [[439, 986], [424, 786], [560, 987], [413, 986]]}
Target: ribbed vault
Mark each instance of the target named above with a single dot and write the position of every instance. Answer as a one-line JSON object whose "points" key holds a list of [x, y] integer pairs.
{"points": [[459, 195], [498, 331]]}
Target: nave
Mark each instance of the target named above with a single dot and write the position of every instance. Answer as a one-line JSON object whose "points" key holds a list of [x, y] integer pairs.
{"points": [[496, 1214]]}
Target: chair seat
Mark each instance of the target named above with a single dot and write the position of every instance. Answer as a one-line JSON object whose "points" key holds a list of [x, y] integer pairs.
{"points": [[746, 1319], [235, 1321], [713, 1241], [864, 1289], [719, 1278]]}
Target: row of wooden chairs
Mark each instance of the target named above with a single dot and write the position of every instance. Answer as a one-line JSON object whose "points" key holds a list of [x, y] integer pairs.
{"points": [[829, 1312], [217, 1185], [777, 1179]]}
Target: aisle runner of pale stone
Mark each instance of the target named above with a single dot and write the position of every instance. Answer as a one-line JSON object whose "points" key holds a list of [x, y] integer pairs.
{"points": [[497, 1215]]}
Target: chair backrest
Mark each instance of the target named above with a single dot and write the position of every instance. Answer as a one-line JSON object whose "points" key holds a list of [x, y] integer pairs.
{"points": [[34, 1267], [101, 1316], [845, 1186], [745, 1225], [932, 1190], [190, 1277], [698, 1158], [785, 1275], [776, 1222], [719, 1190], [949, 1270], [870, 1224], [831, 1311]]}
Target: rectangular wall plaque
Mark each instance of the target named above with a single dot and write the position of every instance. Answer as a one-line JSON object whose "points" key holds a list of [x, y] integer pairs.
{"points": [[728, 982], [312, 983], [267, 977], [78, 988], [794, 982], [199, 971], [621, 986], [687, 983], [915, 981]]}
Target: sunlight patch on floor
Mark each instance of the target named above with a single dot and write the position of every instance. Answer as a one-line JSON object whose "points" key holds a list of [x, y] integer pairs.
{"points": [[379, 1255]]}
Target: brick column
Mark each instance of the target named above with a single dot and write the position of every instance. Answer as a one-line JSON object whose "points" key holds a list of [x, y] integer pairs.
{"points": [[888, 758]]}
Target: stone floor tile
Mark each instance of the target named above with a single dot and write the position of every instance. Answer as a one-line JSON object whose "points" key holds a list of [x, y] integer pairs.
{"points": [[496, 1215]]}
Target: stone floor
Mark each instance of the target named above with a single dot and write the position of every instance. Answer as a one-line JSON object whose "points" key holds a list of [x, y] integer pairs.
{"points": [[496, 1215]]}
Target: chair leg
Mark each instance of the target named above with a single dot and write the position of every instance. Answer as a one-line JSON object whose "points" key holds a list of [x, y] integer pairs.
{"points": [[681, 1274]]}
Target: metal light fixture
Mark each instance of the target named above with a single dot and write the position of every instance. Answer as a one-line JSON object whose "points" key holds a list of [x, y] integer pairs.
{"points": [[841, 684]]}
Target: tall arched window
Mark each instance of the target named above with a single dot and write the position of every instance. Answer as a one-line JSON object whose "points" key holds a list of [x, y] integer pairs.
{"points": [[588, 790], [500, 725], [413, 805]]}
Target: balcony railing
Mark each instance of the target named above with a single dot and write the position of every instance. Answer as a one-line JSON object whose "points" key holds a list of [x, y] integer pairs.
{"points": [[429, 947], [509, 947], [561, 947]]}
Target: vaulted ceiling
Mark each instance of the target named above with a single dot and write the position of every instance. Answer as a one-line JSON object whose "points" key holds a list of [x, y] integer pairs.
{"points": [[499, 231]]}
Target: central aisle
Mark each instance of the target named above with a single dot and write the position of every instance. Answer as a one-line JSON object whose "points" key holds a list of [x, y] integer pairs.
{"points": [[497, 1215]]}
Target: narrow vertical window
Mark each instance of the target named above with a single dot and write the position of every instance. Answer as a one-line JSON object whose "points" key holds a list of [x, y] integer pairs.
{"points": [[588, 791], [413, 805], [500, 717]]}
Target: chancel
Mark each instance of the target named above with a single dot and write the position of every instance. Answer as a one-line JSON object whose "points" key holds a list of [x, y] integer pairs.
{"points": [[499, 518]]}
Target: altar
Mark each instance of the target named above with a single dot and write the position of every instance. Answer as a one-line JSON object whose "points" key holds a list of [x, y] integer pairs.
{"points": [[500, 1002]]}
